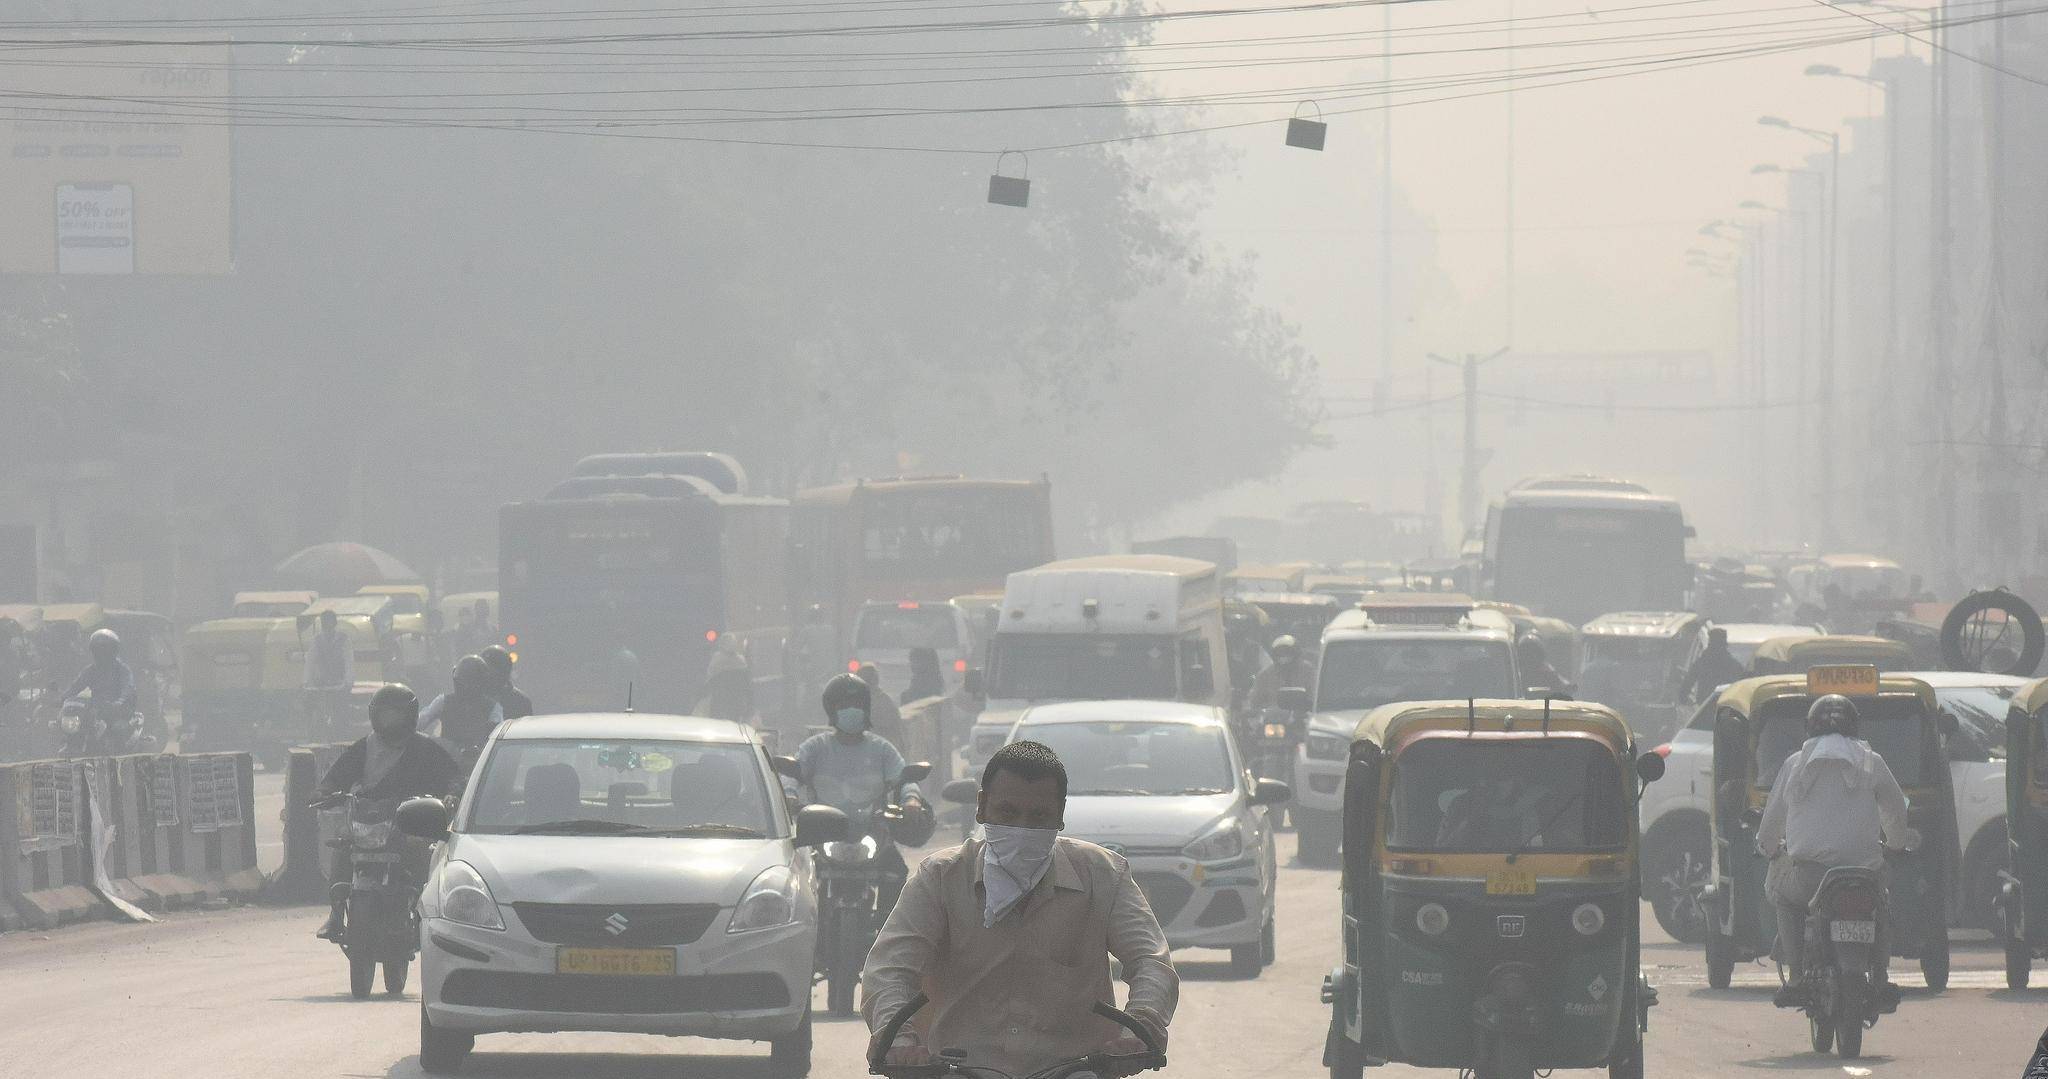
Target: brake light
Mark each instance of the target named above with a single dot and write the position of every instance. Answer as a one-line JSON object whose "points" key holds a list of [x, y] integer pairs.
{"points": [[511, 640], [908, 605], [1663, 750], [711, 635], [1854, 903], [959, 666], [853, 666]]}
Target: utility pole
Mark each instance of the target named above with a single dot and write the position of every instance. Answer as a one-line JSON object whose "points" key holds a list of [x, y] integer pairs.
{"points": [[1473, 458]]}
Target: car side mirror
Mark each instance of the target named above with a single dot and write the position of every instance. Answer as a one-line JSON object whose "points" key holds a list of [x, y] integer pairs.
{"points": [[423, 818], [963, 791], [912, 773], [1271, 792], [1945, 721], [818, 825], [1650, 767], [787, 767], [1295, 699], [972, 682]]}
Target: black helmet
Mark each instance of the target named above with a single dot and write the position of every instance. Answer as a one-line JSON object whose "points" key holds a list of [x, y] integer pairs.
{"points": [[1832, 714], [104, 644], [846, 691], [396, 699], [499, 659], [471, 673]]}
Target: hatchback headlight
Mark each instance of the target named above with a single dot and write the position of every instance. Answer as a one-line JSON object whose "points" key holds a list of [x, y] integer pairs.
{"points": [[1222, 843], [768, 902], [1325, 747], [466, 899]]}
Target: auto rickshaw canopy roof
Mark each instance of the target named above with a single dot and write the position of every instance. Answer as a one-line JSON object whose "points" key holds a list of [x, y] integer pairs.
{"points": [[1835, 648], [1750, 694], [85, 615], [1393, 723], [2031, 697]]}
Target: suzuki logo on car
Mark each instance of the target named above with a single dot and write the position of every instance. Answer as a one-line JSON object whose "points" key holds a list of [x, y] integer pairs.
{"points": [[1511, 925], [616, 924]]}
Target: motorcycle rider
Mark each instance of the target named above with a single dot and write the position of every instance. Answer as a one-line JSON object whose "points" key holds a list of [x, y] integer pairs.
{"points": [[465, 715], [854, 770], [1715, 667], [511, 700], [1289, 668], [1833, 803], [393, 762], [330, 670], [885, 716], [728, 684], [111, 683]]}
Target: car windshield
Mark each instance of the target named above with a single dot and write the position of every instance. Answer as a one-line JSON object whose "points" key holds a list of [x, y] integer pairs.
{"points": [[1627, 669], [1458, 795], [1980, 716], [1109, 758], [1368, 673], [632, 787], [902, 628], [1893, 726], [1093, 666]]}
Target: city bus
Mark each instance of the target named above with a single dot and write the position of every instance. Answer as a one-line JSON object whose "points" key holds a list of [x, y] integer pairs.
{"points": [[1577, 547], [617, 581], [923, 538]]}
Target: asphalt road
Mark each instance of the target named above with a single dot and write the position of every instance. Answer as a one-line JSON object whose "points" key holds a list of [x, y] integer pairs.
{"points": [[248, 993]]}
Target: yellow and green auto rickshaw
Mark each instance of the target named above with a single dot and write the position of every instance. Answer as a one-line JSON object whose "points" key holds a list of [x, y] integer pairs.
{"points": [[238, 686], [2023, 903], [1797, 655], [1491, 895], [1759, 723]]}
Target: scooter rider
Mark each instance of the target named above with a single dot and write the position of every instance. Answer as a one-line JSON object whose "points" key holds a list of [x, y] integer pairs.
{"points": [[465, 715], [854, 770], [392, 763], [111, 682], [1830, 803]]}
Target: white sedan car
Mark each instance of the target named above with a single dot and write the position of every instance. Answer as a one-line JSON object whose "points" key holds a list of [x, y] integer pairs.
{"points": [[629, 873], [1162, 783]]}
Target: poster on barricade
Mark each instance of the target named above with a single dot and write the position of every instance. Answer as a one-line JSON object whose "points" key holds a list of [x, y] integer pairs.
{"points": [[212, 793], [160, 785], [52, 810]]}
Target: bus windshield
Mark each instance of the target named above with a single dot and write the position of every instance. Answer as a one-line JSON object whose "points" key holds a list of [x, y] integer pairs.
{"points": [[1094, 666], [1541, 794], [887, 628], [961, 533], [1366, 674], [1576, 563]]}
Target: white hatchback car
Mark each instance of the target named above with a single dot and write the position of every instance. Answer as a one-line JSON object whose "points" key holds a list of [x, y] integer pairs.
{"points": [[1162, 783], [630, 873]]}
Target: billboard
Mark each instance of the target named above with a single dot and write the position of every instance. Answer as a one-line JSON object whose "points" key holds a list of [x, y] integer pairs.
{"points": [[118, 159]]}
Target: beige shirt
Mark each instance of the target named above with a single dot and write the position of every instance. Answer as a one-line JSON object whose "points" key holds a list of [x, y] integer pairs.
{"points": [[1016, 996]]}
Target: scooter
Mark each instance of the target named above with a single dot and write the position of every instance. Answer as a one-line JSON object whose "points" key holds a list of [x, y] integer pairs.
{"points": [[381, 896], [850, 879]]}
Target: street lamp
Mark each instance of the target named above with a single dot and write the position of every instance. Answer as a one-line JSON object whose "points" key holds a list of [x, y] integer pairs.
{"points": [[1825, 426]]}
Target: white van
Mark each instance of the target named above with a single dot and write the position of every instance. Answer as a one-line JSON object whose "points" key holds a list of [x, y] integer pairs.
{"points": [[1114, 627]]}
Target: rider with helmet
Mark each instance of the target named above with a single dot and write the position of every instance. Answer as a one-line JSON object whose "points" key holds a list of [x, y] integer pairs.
{"points": [[511, 700], [465, 715], [111, 683], [1834, 803], [854, 770], [1289, 668], [394, 762]]}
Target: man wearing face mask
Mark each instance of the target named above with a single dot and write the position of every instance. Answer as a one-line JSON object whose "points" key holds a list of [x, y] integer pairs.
{"points": [[393, 763], [854, 770], [1011, 935]]}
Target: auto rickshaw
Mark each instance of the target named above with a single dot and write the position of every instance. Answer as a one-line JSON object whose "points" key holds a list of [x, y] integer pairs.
{"points": [[271, 604], [61, 636], [2023, 903], [1797, 655], [1490, 872], [238, 685], [1760, 722], [412, 631]]}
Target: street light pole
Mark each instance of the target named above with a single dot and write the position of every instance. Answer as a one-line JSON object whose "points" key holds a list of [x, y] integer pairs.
{"points": [[1825, 417], [1468, 479]]}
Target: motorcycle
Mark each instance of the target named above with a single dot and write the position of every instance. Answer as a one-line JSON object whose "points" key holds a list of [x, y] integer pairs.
{"points": [[88, 731], [381, 896], [1841, 961], [851, 876]]}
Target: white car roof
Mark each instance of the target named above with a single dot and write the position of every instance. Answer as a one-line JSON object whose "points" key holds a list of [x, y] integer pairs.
{"points": [[1401, 632], [625, 726], [1123, 712], [1759, 632], [1965, 679]]}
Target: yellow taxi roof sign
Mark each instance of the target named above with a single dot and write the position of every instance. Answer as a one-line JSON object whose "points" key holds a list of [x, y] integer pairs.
{"points": [[1847, 679]]}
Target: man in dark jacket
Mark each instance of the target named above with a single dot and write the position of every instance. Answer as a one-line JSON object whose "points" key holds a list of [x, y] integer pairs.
{"points": [[1715, 667], [393, 763], [514, 703]]}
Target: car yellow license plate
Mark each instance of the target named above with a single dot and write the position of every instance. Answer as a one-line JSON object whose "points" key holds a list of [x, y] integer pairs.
{"points": [[1511, 882], [632, 962]]}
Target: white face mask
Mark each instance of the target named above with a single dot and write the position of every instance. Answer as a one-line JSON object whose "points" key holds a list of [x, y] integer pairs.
{"points": [[1013, 861]]}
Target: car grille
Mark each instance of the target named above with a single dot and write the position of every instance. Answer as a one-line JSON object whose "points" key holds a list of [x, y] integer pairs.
{"points": [[603, 994], [626, 925], [1166, 892]]}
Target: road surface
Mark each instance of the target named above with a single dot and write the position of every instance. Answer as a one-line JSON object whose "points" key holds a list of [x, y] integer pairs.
{"points": [[249, 993]]}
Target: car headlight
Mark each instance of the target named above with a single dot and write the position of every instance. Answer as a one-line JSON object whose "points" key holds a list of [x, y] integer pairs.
{"points": [[768, 902], [364, 834], [1325, 747], [1222, 843], [466, 899]]}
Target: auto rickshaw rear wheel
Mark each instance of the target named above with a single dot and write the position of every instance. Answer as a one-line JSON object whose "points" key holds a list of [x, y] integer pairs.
{"points": [[1934, 960], [2019, 964], [1720, 959]]}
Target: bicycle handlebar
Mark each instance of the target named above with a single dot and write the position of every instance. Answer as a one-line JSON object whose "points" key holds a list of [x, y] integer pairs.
{"points": [[1113, 1063]]}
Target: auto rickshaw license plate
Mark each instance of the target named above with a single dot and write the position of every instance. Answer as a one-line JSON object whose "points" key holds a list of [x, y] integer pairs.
{"points": [[632, 962], [1511, 882], [1853, 932]]}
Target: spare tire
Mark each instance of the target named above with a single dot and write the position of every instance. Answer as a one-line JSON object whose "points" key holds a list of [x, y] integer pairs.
{"points": [[1992, 632]]}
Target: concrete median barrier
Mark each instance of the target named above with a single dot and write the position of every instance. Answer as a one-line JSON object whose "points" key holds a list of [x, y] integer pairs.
{"points": [[45, 863], [184, 828], [303, 876]]}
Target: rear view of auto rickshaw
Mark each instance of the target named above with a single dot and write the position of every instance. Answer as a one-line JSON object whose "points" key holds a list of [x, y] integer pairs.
{"points": [[1490, 876], [1635, 663], [1797, 655], [1760, 723], [236, 685], [2023, 903]]}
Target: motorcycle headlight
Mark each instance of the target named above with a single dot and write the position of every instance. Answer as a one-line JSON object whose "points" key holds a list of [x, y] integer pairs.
{"points": [[1325, 747], [846, 852], [1222, 843], [466, 899], [69, 722], [1276, 730], [768, 902], [369, 835]]}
